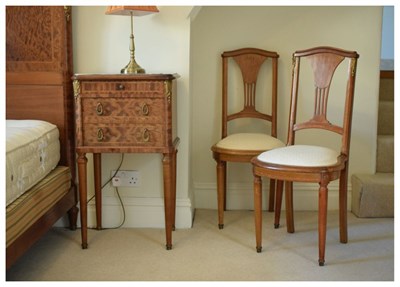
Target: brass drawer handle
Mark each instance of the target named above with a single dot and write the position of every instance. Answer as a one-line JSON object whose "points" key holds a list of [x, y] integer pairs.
{"points": [[120, 87], [100, 135], [99, 109], [145, 110], [146, 135]]}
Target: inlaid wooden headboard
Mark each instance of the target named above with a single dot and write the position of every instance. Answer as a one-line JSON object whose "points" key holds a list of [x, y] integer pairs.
{"points": [[39, 70]]}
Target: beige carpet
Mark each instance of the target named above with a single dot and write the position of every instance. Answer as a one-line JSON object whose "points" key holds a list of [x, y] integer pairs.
{"points": [[207, 253]]}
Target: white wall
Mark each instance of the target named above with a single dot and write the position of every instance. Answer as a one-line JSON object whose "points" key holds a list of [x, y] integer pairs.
{"points": [[281, 29], [101, 45]]}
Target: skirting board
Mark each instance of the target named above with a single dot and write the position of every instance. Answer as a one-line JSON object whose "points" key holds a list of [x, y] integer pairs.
{"points": [[240, 196], [140, 212]]}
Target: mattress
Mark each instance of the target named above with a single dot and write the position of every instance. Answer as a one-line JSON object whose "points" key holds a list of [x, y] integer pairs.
{"points": [[36, 202], [32, 151]]}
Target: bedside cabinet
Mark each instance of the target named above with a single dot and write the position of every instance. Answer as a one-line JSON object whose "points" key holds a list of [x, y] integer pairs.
{"points": [[126, 114]]}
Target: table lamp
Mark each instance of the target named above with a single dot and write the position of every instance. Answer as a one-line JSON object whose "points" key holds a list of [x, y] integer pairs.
{"points": [[132, 67]]}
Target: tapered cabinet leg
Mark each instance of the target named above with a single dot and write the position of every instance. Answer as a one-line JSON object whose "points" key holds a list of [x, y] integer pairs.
{"points": [[173, 186], [97, 188], [168, 198], [82, 173]]}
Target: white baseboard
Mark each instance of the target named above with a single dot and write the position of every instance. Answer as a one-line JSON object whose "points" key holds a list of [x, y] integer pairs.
{"points": [[240, 196], [149, 212], [139, 212]]}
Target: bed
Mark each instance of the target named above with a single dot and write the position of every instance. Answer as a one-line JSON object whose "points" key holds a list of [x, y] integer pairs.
{"points": [[39, 97]]}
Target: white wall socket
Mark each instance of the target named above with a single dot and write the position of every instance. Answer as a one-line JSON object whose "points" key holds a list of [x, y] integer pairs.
{"points": [[125, 178]]}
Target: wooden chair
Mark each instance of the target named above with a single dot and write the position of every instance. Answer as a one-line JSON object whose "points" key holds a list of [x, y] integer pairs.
{"points": [[242, 147], [309, 163]]}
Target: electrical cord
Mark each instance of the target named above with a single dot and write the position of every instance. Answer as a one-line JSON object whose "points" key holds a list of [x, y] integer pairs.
{"points": [[123, 211], [116, 189]]}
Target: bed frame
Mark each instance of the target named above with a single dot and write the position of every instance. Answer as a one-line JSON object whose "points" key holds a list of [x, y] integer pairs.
{"points": [[38, 86]]}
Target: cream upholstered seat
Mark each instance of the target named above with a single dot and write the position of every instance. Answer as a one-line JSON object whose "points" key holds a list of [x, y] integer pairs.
{"points": [[300, 155], [242, 147], [249, 141], [309, 163]]}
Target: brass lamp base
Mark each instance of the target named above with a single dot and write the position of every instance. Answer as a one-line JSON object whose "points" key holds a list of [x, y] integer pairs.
{"points": [[132, 68]]}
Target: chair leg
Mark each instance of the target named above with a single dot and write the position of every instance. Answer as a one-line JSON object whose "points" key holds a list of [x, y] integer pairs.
{"points": [[289, 206], [322, 217], [343, 205], [258, 211], [271, 195], [221, 190], [278, 202]]}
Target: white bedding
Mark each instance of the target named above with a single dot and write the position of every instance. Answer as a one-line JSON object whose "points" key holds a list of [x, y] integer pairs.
{"points": [[32, 151]]}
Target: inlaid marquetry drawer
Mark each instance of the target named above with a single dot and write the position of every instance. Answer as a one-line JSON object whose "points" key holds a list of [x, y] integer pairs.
{"points": [[124, 110], [123, 135]]}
